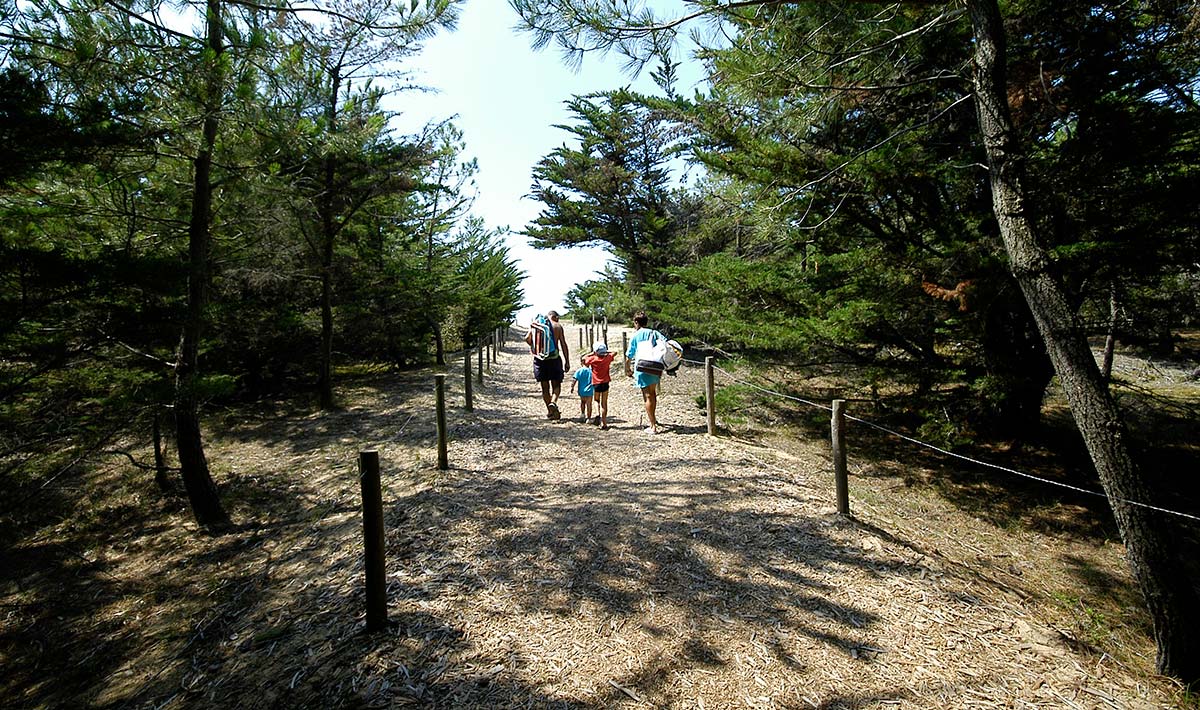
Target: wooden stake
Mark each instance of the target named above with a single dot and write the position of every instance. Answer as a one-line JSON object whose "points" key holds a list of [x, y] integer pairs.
{"points": [[439, 389], [710, 396], [376, 577], [837, 437], [469, 404]]}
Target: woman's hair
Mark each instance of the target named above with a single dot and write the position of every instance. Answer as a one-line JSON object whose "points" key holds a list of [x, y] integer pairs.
{"points": [[640, 319]]}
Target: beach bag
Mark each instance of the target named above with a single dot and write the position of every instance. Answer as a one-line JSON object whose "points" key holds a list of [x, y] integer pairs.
{"points": [[650, 355], [673, 356], [542, 343]]}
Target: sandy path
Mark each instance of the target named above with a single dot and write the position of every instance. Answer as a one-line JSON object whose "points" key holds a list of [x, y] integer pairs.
{"points": [[561, 566], [553, 566]]}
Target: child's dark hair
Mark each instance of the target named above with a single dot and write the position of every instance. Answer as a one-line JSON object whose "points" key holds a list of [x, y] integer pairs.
{"points": [[640, 319]]}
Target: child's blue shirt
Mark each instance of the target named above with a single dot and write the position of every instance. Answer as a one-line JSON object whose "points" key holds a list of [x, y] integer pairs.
{"points": [[583, 376]]}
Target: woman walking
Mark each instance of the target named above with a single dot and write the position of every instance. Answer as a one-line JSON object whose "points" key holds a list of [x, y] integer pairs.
{"points": [[646, 381]]}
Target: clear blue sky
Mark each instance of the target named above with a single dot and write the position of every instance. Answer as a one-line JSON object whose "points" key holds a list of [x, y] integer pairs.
{"points": [[507, 98]]}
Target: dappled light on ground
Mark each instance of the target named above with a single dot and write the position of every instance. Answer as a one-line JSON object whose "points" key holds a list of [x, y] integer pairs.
{"points": [[556, 565]]}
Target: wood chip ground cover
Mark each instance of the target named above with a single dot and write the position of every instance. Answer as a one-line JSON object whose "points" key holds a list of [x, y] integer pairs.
{"points": [[553, 566]]}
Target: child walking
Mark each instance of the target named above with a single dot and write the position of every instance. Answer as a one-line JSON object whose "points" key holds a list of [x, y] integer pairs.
{"points": [[600, 363], [583, 378]]}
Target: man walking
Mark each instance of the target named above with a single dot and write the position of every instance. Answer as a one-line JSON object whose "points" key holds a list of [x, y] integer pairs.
{"points": [[548, 344]]}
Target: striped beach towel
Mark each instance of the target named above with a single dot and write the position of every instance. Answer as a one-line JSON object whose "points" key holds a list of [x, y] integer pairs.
{"points": [[543, 343]]}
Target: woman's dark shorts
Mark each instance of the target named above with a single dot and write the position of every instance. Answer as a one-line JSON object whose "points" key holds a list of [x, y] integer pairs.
{"points": [[548, 370], [601, 387]]}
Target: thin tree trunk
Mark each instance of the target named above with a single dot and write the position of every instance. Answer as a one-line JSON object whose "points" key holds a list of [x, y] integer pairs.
{"points": [[197, 482], [325, 371], [328, 234], [439, 344], [1170, 596], [161, 475], [639, 271], [1014, 354], [1110, 342]]}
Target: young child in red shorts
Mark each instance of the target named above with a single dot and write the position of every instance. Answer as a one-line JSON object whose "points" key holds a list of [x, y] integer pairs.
{"points": [[600, 361]]}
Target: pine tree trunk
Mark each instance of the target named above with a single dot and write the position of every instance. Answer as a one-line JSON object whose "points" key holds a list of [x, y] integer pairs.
{"points": [[328, 235], [325, 367], [161, 476], [1014, 354], [197, 482], [439, 344], [1170, 596], [1110, 342]]}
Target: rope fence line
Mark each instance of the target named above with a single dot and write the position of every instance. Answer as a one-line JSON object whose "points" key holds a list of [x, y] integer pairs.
{"points": [[1023, 474], [373, 533], [952, 454], [730, 375]]}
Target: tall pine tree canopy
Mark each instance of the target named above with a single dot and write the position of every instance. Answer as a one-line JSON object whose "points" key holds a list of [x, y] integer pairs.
{"points": [[611, 186], [239, 191], [847, 214]]}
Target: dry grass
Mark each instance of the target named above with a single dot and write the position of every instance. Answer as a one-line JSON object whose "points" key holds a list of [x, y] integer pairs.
{"points": [[558, 566]]}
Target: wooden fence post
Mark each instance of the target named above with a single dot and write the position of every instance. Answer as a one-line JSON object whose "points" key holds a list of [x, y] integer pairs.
{"points": [[479, 372], [581, 339], [439, 389], [625, 345], [376, 576], [487, 348], [837, 435], [710, 396], [469, 404]]}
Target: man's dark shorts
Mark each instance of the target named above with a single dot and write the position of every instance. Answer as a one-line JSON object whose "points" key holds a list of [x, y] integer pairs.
{"points": [[548, 370]]}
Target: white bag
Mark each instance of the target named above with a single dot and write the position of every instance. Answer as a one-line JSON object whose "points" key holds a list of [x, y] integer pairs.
{"points": [[673, 356], [650, 356]]}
